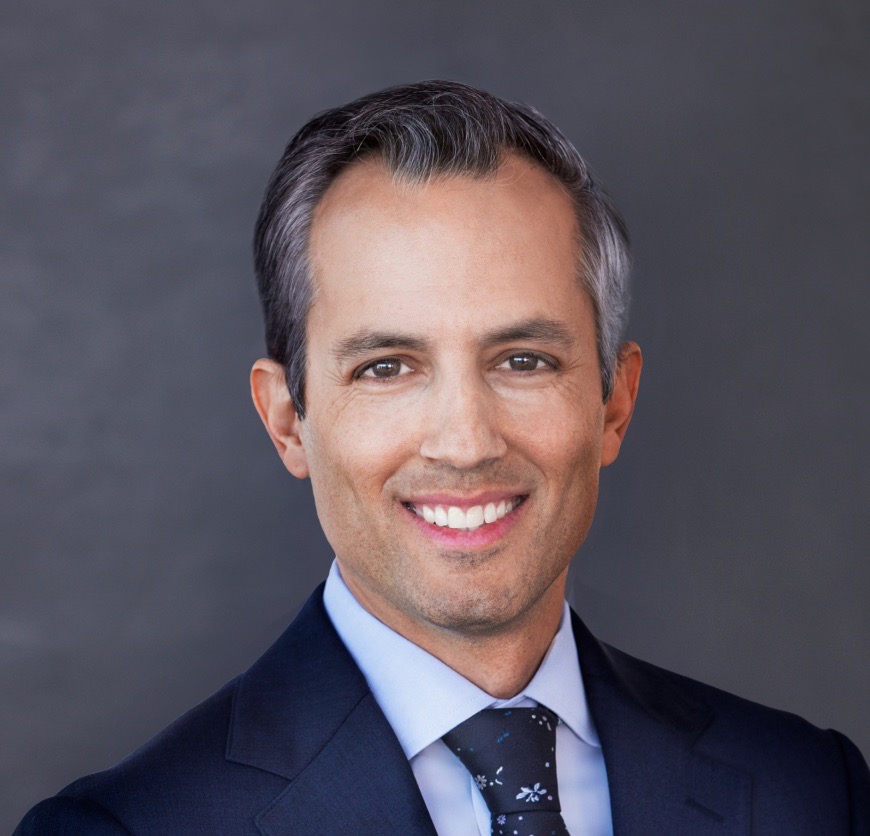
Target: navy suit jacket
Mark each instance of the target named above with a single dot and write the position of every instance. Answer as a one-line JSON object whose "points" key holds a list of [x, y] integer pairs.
{"points": [[298, 746]]}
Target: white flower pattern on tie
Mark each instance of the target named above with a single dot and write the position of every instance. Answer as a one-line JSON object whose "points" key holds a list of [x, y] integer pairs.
{"points": [[531, 793]]}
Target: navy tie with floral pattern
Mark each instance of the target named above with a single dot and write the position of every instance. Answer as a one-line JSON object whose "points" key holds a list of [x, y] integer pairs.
{"points": [[511, 754]]}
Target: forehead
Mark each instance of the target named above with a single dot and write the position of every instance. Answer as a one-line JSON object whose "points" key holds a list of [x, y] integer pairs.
{"points": [[440, 252], [518, 190]]}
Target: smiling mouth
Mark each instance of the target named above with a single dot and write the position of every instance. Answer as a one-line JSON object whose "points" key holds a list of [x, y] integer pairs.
{"points": [[465, 519]]}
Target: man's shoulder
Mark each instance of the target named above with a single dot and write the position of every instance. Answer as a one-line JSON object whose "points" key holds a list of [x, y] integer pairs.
{"points": [[788, 769], [194, 741], [170, 782], [713, 716], [199, 767], [697, 710]]}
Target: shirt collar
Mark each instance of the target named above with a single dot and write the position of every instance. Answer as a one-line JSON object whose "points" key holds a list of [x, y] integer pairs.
{"points": [[423, 699]]}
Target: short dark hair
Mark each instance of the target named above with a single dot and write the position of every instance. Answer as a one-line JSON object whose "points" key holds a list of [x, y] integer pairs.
{"points": [[419, 131]]}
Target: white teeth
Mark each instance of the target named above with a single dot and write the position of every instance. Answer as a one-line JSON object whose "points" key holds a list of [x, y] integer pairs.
{"points": [[474, 517], [470, 519]]}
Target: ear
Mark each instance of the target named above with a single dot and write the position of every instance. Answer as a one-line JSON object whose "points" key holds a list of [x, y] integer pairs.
{"points": [[275, 407], [620, 405]]}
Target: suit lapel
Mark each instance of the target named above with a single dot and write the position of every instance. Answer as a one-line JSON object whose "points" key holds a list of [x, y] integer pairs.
{"points": [[359, 783], [651, 730], [304, 711]]}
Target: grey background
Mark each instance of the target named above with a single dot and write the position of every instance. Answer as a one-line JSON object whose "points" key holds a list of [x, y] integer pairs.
{"points": [[152, 544]]}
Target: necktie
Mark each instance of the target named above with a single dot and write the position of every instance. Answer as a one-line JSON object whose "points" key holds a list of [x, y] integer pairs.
{"points": [[511, 754]]}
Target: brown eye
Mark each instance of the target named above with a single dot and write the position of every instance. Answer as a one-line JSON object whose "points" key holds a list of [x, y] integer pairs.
{"points": [[523, 362], [384, 368]]}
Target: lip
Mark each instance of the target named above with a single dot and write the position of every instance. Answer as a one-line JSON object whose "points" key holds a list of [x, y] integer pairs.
{"points": [[464, 502], [460, 539]]}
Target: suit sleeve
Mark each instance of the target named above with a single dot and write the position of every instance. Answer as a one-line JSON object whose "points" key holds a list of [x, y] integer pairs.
{"points": [[60, 816], [858, 779]]}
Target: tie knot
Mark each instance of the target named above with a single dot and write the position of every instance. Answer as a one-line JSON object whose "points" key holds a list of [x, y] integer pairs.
{"points": [[511, 754]]}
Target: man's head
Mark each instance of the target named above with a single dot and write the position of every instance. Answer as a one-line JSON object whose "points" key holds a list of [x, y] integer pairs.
{"points": [[454, 423], [421, 131]]}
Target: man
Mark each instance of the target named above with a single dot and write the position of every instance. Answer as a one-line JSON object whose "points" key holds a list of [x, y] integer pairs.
{"points": [[444, 286]]}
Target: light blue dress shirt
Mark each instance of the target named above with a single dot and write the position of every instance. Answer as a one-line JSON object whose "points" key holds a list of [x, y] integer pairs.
{"points": [[423, 699]]}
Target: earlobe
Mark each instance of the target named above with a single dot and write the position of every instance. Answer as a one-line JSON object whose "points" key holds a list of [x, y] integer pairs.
{"points": [[620, 405], [275, 408]]}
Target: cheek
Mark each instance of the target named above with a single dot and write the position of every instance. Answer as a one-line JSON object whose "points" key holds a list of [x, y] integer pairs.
{"points": [[560, 437], [353, 451]]}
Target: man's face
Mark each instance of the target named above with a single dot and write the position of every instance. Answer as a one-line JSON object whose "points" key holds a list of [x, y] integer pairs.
{"points": [[452, 374]]}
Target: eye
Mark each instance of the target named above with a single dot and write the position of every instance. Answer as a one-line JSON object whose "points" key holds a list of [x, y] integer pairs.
{"points": [[383, 369], [526, 361]]}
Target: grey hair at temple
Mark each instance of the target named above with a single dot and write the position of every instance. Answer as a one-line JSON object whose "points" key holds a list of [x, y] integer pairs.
{"points": [[419, 131]]}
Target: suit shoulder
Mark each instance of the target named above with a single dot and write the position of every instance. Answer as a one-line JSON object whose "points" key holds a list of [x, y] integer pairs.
{"points": [[680, 700], [59, 816], [741, 730], [195, 740], [799, 772], [167, 785], [197, 776]]}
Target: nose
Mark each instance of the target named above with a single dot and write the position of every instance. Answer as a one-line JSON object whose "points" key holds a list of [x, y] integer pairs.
{"points": [[461, 424]]}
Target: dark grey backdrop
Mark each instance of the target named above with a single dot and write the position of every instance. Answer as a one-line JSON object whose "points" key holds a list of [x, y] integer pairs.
{"points": [[152, 545]]}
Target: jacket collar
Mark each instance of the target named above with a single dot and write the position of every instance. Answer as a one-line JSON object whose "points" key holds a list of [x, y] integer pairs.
{"points": [[304, 711], [651, 728]]}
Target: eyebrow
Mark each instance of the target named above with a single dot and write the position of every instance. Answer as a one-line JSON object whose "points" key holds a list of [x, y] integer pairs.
{"points": [[537, 329], [366, 342]]}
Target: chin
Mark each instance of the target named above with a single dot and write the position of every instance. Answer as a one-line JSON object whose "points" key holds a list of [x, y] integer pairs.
{"points": [[474, 611]]}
